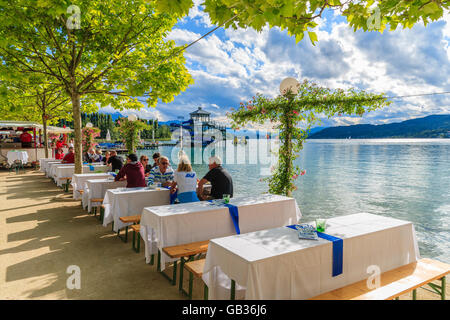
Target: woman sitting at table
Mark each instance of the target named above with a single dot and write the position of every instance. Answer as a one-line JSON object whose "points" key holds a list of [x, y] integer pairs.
{"points": [[185, 182], [147, 167], [133, 172], [59, 154]]}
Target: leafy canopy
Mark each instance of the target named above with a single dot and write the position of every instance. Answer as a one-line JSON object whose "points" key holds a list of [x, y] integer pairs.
{"points": [[118, 53], [299, 17]]}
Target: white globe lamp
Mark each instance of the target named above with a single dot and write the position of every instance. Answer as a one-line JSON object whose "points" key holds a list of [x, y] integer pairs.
{"points": [[89, 125], [289, 84], [132, 117]]}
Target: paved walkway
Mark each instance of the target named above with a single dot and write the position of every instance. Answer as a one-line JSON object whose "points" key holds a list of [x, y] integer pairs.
{"points": [[43, 231]]}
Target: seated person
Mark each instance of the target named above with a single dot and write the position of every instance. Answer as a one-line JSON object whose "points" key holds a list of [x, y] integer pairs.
{"points": [[98, 155], [89, 155], [147, 167], [133, 172], [26, 139], [70, 157], [106, 158], [221, 182], [185, 181], [59, 154], [162, 173], [155, 157], [115, 161]]}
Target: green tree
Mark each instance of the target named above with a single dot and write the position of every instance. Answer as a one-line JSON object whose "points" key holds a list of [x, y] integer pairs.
{"points": [[116, 53], [32, 99], [289, 110], [299, 17]]}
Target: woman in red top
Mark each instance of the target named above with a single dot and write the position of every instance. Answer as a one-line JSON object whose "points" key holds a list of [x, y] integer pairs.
{"points": [[59, 154]]}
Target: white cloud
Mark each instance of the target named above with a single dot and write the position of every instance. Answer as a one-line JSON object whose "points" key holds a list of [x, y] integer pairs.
{"points": [[231, 66]]}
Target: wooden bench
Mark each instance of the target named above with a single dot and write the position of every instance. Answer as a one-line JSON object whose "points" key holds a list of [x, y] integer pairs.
{"points": [[195, 269], [395, 283], [185, 252], [136, 236], [66, 185], [128, 219], [94, 207]]}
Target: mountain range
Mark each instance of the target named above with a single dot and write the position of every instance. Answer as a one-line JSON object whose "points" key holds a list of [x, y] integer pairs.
{"points": [[434, 126]]}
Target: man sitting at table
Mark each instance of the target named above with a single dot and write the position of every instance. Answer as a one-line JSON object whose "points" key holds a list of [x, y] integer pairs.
{"points": [[26, 139], [162, 173], [70, 157], [221, 182], [59, 154], [133, 172], [115, 161]]}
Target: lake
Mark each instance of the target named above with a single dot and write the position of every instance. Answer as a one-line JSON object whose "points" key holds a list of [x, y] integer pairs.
{"points": [[408, 179]]}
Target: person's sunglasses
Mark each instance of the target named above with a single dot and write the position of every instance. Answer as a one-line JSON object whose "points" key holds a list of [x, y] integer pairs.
{"points": [[165, 163]]}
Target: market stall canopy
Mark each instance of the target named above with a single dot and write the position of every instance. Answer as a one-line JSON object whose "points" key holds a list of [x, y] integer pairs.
{"points": [[29, 125]]}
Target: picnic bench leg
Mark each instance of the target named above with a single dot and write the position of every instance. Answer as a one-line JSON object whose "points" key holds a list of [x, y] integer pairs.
{"points": [[124, 239], [205, 292], [233, 290], [443, 287], [173, 280], [182, 263], [440, 290], [136, 248], [191, 280]]}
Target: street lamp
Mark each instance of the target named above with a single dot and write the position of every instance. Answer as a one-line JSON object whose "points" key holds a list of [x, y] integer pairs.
{"points": [[289, 84], [132, 117]]}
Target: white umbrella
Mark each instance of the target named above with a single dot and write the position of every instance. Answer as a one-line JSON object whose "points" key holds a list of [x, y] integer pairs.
{"points": [[108, 136]]}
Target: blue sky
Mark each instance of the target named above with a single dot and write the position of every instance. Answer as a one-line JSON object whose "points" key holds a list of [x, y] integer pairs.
{"points": [[231, 66]]}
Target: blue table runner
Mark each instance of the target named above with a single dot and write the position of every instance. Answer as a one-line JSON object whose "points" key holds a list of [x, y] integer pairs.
{"points": [[338, 248], [234, 214]]}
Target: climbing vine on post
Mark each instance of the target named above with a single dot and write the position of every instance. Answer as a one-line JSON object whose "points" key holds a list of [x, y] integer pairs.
{"points": [[290, 111], [88, 136], [129, 131]]}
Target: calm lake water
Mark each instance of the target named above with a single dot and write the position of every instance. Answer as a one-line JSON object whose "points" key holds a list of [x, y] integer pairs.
{"points": [[408, 179]]}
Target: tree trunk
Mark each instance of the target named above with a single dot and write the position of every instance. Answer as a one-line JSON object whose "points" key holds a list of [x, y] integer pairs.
{"points": [[77, 131], [44, 124]]}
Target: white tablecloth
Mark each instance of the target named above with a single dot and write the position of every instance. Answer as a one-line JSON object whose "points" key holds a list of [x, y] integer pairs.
{"points": [[275, 264], [67, 171], [43, 162], [51, 167], [96, 189], [128, 202], [79, 179], [14, 155], [198, 221], [51, 170]]}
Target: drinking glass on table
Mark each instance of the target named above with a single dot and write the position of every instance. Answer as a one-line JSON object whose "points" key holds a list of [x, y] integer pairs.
{"points": [[226, 198], [321, 224]]}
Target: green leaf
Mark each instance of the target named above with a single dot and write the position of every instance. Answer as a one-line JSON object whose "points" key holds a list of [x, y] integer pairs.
{"points": [[312, 37]]}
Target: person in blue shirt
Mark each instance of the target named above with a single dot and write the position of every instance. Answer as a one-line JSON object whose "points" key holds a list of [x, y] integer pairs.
{"points": [[185, 182], [162, 173]]}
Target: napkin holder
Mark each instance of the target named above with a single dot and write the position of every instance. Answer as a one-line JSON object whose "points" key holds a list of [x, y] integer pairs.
{"points": [[306, 232]]}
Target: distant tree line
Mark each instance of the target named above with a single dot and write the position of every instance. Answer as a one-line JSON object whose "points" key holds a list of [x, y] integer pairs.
{"points": [[105, 122]]}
